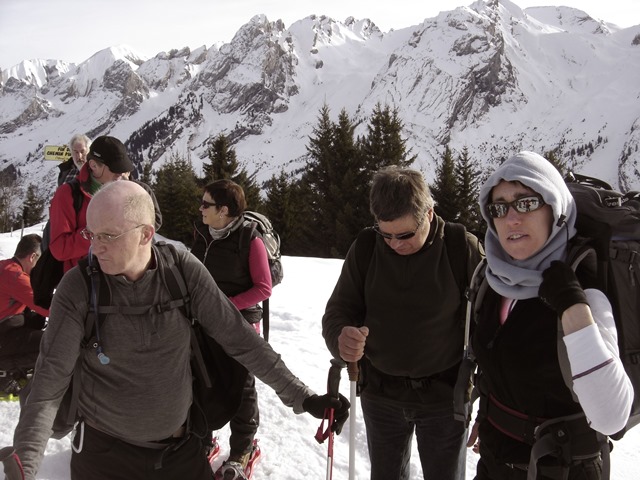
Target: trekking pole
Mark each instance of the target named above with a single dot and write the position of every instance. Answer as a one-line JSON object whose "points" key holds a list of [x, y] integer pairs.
{"points": [[333, 385], [353, 371]]}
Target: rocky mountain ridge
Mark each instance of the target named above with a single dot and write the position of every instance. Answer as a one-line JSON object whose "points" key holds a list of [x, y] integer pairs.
{"points": [[490, 77]]}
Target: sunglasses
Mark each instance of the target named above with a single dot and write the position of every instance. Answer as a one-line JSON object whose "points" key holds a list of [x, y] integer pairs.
{"points": [[399, 236], [205, 204], [521, 205]]}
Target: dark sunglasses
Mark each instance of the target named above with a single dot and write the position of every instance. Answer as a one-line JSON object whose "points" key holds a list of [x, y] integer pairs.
{"points": [[521, 205], [205, 204], [399, 236]]}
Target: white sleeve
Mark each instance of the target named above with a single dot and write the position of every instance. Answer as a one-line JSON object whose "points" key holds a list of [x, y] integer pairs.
{"points": [[599, 379]]}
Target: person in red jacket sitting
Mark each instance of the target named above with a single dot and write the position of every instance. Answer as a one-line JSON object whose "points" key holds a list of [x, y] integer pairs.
{"points": [[21, 321]]}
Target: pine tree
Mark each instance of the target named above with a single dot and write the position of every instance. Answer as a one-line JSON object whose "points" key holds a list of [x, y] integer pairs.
{"points": [[33, 208], [147, 173], [178, 195], [224, 164], [383, 145], [444, 188], [302, 234], [333, 177], [560, 165], [316, 183], [281, 210], [9, 193], [347, 199], [468, 179]]}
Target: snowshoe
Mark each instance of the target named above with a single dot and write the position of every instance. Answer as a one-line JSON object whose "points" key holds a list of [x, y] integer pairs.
{"points": [[233, 470], [11, 383], [254, 459], [213, 450]]}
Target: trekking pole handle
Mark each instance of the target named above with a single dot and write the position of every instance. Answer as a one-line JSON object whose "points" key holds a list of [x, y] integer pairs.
{"points": [[353, 371], [333, 382]]}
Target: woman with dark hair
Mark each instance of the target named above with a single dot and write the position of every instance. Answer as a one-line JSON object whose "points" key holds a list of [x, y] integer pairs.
{"points": [[531, 216], [235, 255]]}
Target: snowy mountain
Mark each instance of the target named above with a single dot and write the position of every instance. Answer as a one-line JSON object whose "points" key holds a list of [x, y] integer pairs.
{"points": [[491, 77]]}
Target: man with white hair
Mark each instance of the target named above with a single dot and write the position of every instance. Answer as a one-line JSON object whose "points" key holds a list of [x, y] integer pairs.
{"points": [[69, 169]]}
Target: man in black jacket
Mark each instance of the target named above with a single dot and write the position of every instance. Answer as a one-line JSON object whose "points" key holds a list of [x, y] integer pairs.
{"points": [[398, 313]]}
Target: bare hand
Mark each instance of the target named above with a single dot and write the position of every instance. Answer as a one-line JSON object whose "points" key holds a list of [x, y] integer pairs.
{"points": [[351, 343]]}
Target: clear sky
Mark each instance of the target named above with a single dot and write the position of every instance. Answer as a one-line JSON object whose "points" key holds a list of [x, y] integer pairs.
{"points": [[73, 30]]}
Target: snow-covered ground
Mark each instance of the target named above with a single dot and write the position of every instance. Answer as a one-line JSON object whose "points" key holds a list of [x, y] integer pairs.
{"points": [[290, 451]]}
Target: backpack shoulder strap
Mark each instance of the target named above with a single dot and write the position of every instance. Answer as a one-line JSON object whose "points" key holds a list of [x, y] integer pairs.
{"points": [[248, 232], [76, 194], [455, 238], [174, 280], [99, 293], [365, 244], [462, 403]]}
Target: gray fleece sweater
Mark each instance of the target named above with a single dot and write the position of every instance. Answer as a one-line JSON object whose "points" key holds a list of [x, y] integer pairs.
{"points": [[144, 393]]}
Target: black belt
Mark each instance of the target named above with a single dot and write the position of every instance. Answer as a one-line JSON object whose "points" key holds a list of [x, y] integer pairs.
{"points": [[417, 383], [571, 432]]}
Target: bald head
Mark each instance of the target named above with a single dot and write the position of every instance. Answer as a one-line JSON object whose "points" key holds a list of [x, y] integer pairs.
{"points": [[120, 220], [125, 199]]}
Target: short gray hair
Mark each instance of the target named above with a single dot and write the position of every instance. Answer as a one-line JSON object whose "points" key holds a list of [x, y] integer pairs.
{"points": [[396, 192]]}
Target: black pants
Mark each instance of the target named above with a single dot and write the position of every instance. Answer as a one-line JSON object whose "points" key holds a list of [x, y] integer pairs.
{"points": [[19, 343], [244, 424], [106, 458]]}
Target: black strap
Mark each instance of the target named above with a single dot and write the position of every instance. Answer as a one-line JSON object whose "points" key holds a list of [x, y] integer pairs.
{"points": [[92, 276], [180, 294], [76, 194], [265, 319], [455, 239], [248, 232], [365, 244]]}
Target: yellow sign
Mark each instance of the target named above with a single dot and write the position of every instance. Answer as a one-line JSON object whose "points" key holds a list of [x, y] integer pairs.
{"points": [[57, 152]]}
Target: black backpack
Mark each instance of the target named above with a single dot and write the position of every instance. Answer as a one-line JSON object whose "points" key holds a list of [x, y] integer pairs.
{"points": [[606, 250], [218, 379], [261, 226], [608, 245], [48, 271]]}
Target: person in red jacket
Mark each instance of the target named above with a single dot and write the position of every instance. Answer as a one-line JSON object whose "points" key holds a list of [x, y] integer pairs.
{"points": [[107, 161], [21, 321]]}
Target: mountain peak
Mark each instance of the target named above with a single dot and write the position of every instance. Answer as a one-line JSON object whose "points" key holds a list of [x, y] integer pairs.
{"points": [[491, 77]]}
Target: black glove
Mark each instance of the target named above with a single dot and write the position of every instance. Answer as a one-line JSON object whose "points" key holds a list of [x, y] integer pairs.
{"points": [[12, 465], [560, 288], [316, 405]]}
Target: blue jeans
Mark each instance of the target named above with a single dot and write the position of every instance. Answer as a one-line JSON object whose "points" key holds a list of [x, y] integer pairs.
{"points": [[441, 441]]}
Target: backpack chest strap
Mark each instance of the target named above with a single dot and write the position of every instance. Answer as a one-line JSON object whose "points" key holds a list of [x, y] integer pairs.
{"points": [[143, 309]]}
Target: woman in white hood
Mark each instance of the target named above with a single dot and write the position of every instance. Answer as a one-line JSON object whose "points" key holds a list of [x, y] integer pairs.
{"points": [[531, 215]]}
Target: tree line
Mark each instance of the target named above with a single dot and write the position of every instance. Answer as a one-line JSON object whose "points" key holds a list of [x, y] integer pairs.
{"points": [[318, 209]]}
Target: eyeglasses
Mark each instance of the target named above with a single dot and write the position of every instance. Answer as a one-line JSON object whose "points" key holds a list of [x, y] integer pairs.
{"points": [[399, 236], [521, 205], [205, 204], [105, 237]]}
